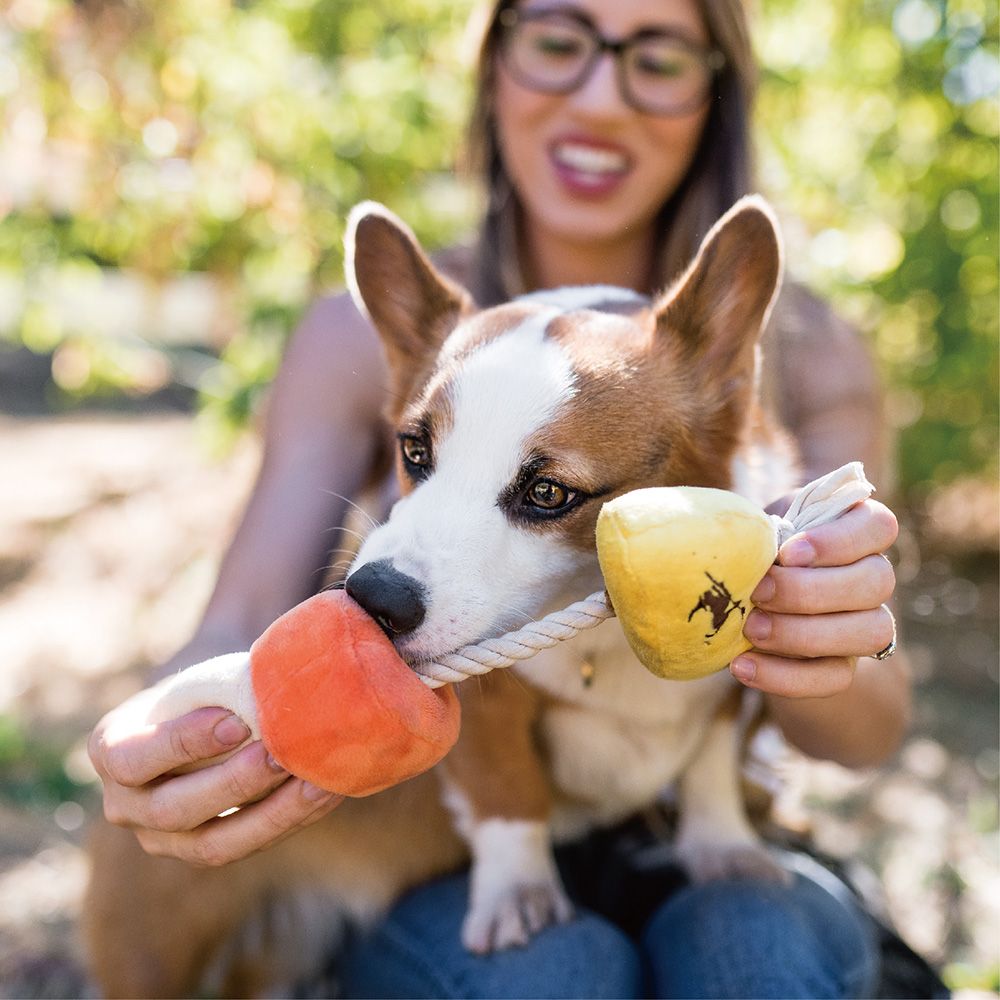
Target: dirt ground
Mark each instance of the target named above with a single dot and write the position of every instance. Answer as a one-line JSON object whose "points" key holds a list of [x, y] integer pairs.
{"points": [[110, 530]]}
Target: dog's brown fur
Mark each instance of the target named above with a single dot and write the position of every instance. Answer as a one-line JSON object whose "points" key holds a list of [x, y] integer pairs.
{"points": [[155, 926]]}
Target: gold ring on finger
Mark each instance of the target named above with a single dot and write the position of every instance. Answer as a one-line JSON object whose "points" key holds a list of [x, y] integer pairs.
{"points": [[884, 654]]}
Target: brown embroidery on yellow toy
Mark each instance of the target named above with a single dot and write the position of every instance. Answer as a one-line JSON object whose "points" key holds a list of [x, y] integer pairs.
{"points": [[719, 603]]}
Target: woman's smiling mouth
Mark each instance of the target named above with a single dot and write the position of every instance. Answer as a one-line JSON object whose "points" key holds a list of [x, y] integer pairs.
{"points": [[587, 167]]}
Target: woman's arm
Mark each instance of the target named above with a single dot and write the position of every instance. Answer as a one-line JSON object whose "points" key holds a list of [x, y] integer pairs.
{"points": [[821, 608], [320, 444], [322, 436]]}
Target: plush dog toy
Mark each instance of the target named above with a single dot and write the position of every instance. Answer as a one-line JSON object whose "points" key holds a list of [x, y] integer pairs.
{"points": [[680, 564], [333, 702], [325, 690]]}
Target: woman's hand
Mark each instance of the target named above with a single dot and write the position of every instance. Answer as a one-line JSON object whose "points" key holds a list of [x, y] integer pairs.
{"points": [[178, 815], [821, 607]]}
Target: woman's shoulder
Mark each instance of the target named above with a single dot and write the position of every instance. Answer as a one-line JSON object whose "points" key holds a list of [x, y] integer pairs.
{"points": [[803, 326], [333, 358], [334, 335], [813, 357], [457, 262], [801, 316], [335, 311]]}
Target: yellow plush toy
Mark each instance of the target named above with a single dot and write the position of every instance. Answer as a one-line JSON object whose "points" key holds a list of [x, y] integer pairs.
{"points": [[681, 562]]}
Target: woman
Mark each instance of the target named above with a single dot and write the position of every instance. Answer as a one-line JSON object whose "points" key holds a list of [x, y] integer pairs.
{"points": [[611, 135]]}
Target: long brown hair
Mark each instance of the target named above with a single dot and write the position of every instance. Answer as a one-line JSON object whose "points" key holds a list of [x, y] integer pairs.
{"points": [[720, 173]]}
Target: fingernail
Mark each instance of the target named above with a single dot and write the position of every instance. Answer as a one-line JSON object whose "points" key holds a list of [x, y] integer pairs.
{"points": [[764, 590], [314, 793], [743, 668], [797, 551], [758, 625], [231, 731], [274, 765]]}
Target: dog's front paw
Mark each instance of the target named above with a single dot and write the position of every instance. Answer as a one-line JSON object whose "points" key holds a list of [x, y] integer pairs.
{"points": [[513, 914], [712, 860]]}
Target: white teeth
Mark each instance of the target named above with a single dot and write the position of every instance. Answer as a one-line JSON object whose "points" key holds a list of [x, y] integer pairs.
{"points": [[587, 159]]}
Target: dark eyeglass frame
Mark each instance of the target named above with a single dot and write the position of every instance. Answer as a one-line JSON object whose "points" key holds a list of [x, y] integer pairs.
{"points": [[510, 18]]}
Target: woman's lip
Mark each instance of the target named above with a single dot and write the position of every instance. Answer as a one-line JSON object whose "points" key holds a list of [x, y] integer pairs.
{"points": [[589, 167]]}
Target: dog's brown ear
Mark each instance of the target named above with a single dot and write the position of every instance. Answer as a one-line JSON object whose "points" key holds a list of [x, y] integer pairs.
{"points": [[717, 308], [393, 282]]}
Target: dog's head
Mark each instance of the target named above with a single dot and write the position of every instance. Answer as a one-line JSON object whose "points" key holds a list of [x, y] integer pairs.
{"points": [[516, 423]]}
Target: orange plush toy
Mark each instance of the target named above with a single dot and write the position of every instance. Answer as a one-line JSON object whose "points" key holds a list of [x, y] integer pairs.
{"points": [[325, 690]]}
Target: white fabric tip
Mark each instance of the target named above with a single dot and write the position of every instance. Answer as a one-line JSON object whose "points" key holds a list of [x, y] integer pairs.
{"points": [[823, 500]]}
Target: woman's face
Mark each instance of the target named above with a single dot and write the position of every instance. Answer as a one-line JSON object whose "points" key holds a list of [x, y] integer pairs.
{"points": [[587, 166]]}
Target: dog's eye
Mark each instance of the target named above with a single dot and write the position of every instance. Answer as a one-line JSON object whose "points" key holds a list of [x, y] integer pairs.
{"points": [[415, 451], [549, 495]]}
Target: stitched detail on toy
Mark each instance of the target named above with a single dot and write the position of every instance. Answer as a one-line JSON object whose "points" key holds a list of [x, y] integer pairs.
{"points": [[719, 603]]}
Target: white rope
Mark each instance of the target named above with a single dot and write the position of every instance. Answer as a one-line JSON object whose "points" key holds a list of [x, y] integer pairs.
{"points": [[505, 650], [816, 503]]}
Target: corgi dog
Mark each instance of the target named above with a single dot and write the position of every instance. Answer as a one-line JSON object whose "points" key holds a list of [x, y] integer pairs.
{"points": [[514, 425]]}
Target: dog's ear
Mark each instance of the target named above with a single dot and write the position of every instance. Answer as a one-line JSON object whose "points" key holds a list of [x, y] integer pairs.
{"points": [[392, 281], [717, 308]]}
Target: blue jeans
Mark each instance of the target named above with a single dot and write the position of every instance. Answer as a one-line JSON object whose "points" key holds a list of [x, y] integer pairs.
{"points": [[721, 939]]}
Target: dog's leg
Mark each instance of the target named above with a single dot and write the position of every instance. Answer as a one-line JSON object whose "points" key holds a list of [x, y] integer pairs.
{"points": [[496, 786], [156, 927], [153, 925], [715, 839], [266, 925]]}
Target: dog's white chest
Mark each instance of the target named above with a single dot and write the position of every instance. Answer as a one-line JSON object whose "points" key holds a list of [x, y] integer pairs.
{"points": [[597, 671], [616, 741]]}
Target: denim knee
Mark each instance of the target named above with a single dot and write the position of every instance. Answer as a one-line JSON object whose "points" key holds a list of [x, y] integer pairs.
{"points": [[417, 952], [757, 939]]}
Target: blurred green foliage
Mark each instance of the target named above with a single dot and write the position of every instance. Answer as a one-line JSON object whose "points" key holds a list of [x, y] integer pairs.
{"points": [[32, 769], [879, 133], [146, 143]]}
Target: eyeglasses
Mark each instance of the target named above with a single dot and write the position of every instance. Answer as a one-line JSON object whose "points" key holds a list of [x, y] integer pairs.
{"points": [[555, 50]]}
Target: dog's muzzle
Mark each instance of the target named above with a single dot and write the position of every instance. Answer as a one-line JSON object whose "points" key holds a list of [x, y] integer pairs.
{"points": [[393, 599]]}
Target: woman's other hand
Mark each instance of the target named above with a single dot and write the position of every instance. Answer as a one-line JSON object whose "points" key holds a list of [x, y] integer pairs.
{"points": [[822, 607], [177, 814]]}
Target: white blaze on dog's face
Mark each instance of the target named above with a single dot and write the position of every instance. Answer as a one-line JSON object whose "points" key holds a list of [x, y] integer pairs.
{"points": [[516, 423], [466, 526]]}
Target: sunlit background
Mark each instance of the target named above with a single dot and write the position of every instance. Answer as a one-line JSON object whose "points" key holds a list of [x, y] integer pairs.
{"points": [[174, 180]]}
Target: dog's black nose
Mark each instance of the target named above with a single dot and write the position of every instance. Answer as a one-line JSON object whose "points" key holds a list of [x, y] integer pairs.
{"points": [[393, 599]]}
